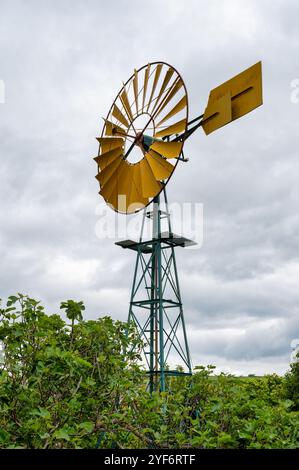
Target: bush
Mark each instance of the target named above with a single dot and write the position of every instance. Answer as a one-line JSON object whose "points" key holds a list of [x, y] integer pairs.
{"points": [[292, 384], [79, 385], [61, 385]]}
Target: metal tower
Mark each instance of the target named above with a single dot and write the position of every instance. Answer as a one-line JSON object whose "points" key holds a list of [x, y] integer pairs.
{"points": [[156, 307]]}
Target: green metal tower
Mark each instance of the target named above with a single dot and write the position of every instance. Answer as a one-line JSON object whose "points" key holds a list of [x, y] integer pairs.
{"points": [[156, 307]]}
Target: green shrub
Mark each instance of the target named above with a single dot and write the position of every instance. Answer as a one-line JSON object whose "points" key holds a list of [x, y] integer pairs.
{"points": [[79, 385], [292, 385]]}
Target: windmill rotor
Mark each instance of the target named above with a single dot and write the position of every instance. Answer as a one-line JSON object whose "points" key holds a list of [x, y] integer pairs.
{"points": [[150, 107]]}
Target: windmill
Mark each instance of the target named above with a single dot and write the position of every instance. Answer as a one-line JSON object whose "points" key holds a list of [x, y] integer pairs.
{"points": [[140, 147]]}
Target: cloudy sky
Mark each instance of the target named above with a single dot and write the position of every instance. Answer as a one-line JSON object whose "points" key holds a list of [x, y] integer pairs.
{"points": [[61, 64]]}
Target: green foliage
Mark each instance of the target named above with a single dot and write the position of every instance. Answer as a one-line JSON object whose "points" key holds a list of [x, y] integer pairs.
{"points": [[59, 385], [73, 309], [244, 413], [66, 386], [292, 384]]}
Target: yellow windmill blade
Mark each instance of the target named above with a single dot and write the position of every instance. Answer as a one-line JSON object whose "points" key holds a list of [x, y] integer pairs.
{"points": [[125, 102], [245, 90], [111, 198], [176, 128], [160, 167], [149, 185], [110, 181], [116, 112], [146, 76], [108, 171], [183, 103], [136, 200], [110, 143], [122, 189], [109, 194], [168, 149], [166, 80], [129, 198], [177, 85], [156, 79], [112, 129], [133, 200], [106, 158], [135, 88]]}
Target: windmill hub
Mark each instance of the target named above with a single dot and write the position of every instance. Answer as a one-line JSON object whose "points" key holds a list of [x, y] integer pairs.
{"points": [[142, 129]]}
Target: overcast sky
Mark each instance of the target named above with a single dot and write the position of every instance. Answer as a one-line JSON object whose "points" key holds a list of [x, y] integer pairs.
{"points": [[61, 64]]}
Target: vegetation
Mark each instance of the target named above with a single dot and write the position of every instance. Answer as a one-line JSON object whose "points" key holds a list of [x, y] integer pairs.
{"points": [[79, 385], [292, 384]]}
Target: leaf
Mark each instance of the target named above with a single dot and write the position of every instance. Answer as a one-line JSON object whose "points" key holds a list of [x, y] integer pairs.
{"points": [[42, 412], [11, 300], [225, 439], [4, 436], [101, 358], [90, 382], [62, 434], [216, 407], [287, 404], [87, 426]]}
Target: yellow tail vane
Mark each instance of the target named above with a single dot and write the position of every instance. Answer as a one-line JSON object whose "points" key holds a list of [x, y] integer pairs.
{"points": [[245, 90], [217, 114]]}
